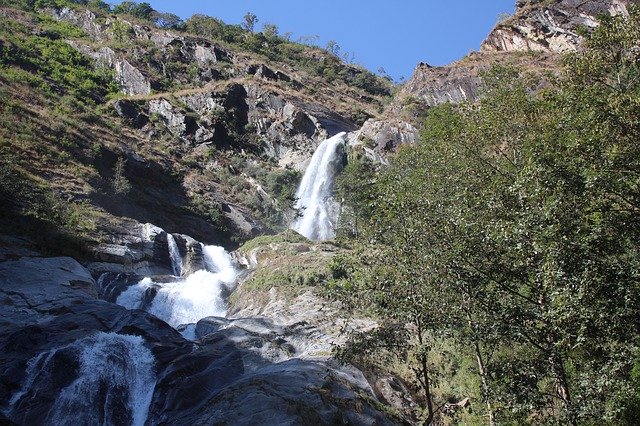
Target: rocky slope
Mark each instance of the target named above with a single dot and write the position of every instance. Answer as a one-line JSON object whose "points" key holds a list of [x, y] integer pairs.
{"points": [[247, 370], [193, 134], [530, 40]]}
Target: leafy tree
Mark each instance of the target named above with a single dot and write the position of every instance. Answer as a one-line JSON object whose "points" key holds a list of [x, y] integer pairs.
{"points": [[270, 31], [513, 227], [250, 21], [139, 10], [333, 47], [168, 20]]}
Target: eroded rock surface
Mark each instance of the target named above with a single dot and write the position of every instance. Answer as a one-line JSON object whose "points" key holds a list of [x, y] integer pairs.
{"points": [[549, 26]]}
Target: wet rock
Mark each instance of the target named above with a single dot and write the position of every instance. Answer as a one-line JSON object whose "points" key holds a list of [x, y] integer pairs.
{"points": [[36, 288]]}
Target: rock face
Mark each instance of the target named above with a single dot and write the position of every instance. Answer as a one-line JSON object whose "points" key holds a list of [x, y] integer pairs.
{"points": [[133, 80], [293, 320], [549, 26], [33, 287], [543, 28], [240, 370], [437, 85]]}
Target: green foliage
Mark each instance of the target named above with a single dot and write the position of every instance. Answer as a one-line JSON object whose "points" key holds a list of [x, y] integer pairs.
{"points": [[249, 22], [208, 208], [58, 29], [54, 64], [122, 31], [36, 210], [139, 10], [120, 183], [287, 236], [213, 28], [513, 228], [290, 271]]}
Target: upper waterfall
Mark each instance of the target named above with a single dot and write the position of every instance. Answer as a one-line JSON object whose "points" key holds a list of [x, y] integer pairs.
{"points": [[314, 197], [174, 255]]}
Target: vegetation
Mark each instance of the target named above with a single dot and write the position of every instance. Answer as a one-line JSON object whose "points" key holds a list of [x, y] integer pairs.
{"points": [[512, 232]]}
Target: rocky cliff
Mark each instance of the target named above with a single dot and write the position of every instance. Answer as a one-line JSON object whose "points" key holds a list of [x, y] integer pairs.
{"points": [[539, 25], [194, 134], [531, 40]]}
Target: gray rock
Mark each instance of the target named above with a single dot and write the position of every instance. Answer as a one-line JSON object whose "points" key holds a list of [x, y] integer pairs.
{"points": [[34, 288], [543, 26], [437, 85], [130, 79], [82, 18], [387, 135]]}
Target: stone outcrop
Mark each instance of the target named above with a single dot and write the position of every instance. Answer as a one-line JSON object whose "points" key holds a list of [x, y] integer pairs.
{"points": [[35, 288], [531, 40], [437, 85], [285, 321], [289, 128], [549, 26], [386, 135], [132, 77]]}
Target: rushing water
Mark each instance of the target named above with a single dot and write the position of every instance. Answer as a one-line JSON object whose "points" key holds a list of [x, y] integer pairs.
{"points": [[108, 379], [174, 255], [316, 203], [186, 300]]}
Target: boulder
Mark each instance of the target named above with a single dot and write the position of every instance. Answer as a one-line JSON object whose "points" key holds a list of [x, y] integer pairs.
{"points": [[34, 289]]}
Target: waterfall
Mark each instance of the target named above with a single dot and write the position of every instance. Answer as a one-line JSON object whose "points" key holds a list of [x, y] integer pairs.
{"points": [[112, 382], [186, 301], [315, 195], [174, 255]]}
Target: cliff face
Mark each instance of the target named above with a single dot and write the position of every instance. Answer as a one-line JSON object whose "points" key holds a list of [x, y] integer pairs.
{"points": [[540, 25], [532, 40]]}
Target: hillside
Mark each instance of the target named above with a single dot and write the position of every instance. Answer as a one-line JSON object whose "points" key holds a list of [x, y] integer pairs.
{"points": [[206, 135]]}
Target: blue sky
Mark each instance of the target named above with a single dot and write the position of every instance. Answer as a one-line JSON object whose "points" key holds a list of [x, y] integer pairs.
{"points": [[395, 35]]}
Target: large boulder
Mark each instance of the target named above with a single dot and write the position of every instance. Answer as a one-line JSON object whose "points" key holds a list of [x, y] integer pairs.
{"points": [[33, 289]]}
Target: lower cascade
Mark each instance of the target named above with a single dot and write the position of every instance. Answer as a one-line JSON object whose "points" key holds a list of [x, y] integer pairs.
{"points": [[316, 202], [112, 382], [184, 301]]}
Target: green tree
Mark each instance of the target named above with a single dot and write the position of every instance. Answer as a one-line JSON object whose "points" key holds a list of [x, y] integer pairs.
{"points": [[513, 226], [270, 31], [250, 21], [333, 47]]}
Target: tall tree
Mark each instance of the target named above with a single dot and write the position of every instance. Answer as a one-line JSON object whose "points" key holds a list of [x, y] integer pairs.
{"points": [[250, 21]]}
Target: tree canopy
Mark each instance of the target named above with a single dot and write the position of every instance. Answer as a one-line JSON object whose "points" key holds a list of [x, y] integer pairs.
{"points": [[513, 230]]}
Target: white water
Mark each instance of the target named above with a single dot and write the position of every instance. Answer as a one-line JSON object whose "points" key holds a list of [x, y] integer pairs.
{"points": [[316, 203], [115, 373], [174, 255], [188, 300]]}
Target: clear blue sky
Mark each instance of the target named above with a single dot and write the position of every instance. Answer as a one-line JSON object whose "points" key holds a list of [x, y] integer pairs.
{"points": [[395, 35]]}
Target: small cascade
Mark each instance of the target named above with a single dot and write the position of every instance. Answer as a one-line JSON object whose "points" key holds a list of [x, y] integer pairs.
{"points": [[106, 378], [174, 255], [186, 301], [315, 198]]}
